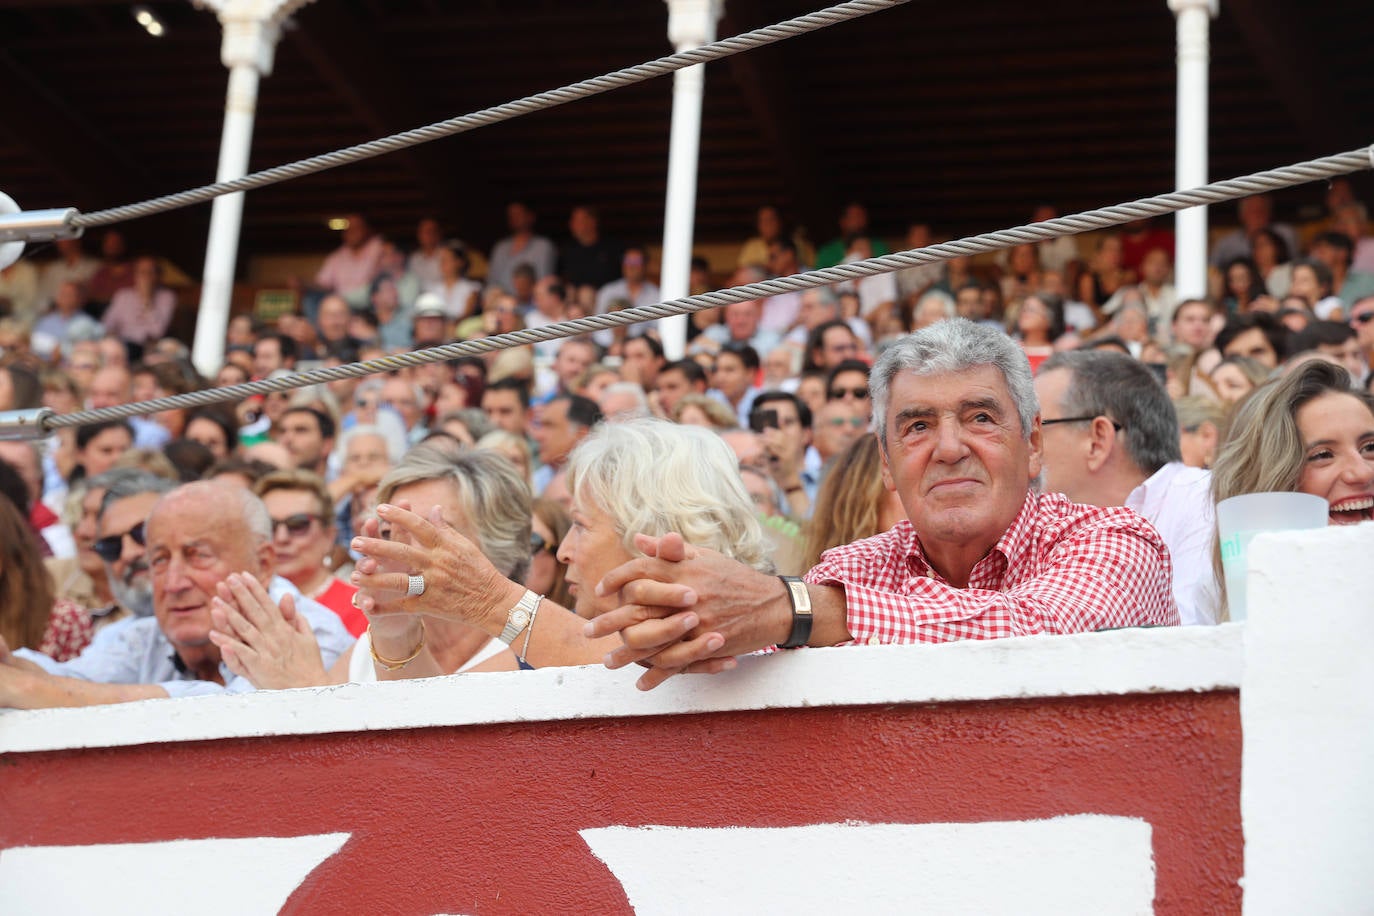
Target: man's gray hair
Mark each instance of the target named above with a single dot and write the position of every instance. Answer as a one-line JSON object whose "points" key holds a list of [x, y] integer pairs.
{"points": [[252, 510], [1122, 389], [824, 295], [122, 483], [953, 345], [630, 390], [395, 443]]}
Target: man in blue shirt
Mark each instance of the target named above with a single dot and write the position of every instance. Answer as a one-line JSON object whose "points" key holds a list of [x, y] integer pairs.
{"points": [[194, 537]]}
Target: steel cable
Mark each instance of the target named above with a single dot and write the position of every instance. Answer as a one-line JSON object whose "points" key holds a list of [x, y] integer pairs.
{"points": [[1217, 192]]}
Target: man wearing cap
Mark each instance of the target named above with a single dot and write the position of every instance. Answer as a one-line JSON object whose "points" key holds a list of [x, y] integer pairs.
{"points": [[431, 321]]}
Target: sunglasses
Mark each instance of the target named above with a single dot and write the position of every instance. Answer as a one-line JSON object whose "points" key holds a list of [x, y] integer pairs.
{"points": [[837, 422], [111, 546], [836, 394], [296, 525], [537, 544]]}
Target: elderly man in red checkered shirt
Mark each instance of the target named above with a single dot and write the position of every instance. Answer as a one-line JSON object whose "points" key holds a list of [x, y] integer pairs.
{"points": [[982, 554]]}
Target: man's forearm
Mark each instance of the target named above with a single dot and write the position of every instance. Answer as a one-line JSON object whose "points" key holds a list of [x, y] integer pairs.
{"points": [[37, 690]]}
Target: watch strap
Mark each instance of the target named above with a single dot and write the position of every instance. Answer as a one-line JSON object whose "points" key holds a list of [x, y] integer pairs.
{"points": [[518, 617], [801, 613]]}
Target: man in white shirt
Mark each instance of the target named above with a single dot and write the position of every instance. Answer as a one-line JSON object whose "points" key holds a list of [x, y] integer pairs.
{"points": [[194, 539], [1111, 438]]}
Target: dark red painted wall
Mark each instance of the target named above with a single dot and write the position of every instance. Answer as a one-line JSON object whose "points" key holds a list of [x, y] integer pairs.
{"points": [[485, 819]]}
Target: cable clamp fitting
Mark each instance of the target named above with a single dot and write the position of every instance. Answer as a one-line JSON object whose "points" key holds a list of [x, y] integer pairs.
{"points": [[23, 425], [39, 225]]}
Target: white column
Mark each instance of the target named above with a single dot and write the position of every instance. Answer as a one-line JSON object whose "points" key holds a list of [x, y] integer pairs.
{"points": [[251, 29], [1190, 151], [691, 23]]}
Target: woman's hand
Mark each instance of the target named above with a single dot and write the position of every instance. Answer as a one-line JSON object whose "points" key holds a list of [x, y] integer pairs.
{"points": [[459, 582], [269, 644]]}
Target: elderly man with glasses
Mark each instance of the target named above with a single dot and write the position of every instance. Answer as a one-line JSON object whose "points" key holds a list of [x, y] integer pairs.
{"points": [[168, 554], [1111, 438]]}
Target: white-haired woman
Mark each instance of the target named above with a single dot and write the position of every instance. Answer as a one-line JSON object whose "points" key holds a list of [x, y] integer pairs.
{"points": [[642, 477]]}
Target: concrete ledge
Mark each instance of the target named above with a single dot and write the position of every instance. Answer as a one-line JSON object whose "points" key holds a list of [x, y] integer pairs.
{"points": [[1112, 663]]}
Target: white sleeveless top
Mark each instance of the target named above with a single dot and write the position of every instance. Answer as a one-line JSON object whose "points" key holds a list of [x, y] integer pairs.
{"points": [[362, 671]]}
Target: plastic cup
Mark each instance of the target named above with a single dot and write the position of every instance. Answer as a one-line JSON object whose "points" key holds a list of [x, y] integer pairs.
{"points": [[1240, 518]]}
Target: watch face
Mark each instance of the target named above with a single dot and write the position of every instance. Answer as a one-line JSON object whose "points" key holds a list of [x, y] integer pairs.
{"points": [[520, 617]]}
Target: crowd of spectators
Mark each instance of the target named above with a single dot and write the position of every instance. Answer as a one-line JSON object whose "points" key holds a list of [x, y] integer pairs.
{"points": [[1029, 444]]}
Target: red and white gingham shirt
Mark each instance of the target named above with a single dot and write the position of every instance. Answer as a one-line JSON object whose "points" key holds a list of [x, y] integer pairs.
{"points": [[1059, 568]]}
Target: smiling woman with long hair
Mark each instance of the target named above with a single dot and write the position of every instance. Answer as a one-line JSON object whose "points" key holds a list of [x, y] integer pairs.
{"points": [[1309, 432]]}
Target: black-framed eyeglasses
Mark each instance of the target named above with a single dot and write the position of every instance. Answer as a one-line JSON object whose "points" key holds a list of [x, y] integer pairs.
{"points": [[111, 546], [835, 394], [538, 544], [1115, 425], [296, 525]]}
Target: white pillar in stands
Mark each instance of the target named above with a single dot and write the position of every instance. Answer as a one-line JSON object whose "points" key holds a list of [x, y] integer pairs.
{"points": [[251, 29], [691, 23], [1190, 144]]}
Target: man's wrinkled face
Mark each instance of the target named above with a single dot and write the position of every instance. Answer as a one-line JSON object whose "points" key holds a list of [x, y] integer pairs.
{"points": [[194, 541], [956, 456]]}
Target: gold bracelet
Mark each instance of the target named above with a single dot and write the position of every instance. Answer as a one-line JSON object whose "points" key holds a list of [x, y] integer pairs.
{"points": [[396, 664]]}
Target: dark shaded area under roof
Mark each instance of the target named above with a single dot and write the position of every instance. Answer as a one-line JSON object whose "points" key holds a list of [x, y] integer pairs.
{"points": [[961, 115]]}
